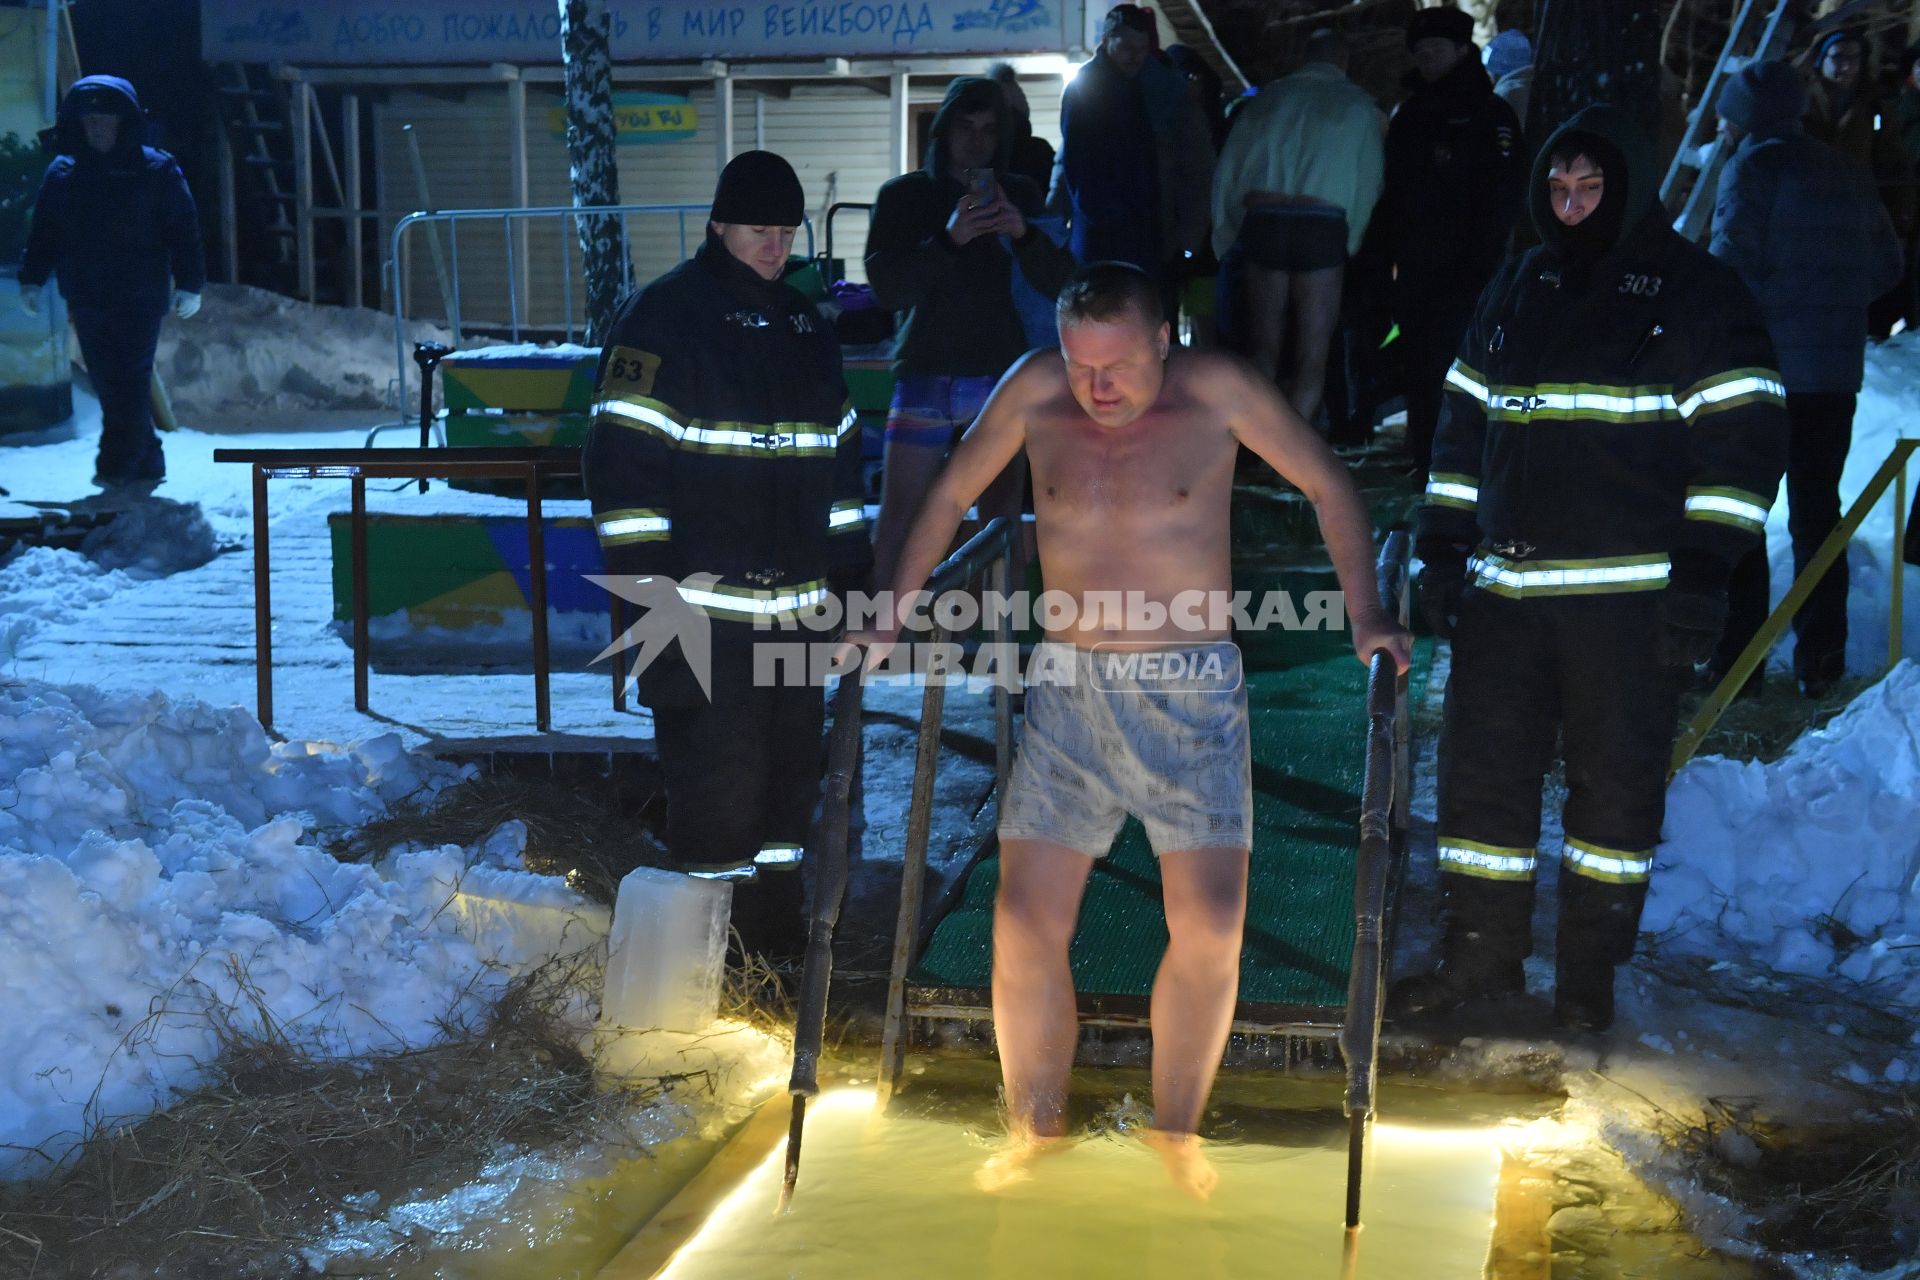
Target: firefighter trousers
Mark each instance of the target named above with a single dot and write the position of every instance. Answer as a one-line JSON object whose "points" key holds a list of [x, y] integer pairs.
{"points": [[1582, 668], [743, 778]]}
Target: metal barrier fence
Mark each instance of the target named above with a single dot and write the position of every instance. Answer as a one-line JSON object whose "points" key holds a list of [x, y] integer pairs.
{"points": [[1892, 473], [516, 229]]}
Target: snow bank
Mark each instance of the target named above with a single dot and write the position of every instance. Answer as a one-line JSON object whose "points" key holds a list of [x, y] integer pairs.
{"points": [[1889, 406], [252, 353], [159, 878], [1807, 865]]}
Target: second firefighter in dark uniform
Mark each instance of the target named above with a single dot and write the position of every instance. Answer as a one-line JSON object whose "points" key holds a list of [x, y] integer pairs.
{"points": [[1614, 436], [723, 443]]}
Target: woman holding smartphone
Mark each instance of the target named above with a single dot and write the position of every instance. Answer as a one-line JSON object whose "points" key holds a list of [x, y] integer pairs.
{"points": [[942, 249]]}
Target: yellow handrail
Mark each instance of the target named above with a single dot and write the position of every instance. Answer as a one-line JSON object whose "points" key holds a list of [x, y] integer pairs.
{"points": [[1892, 470]]}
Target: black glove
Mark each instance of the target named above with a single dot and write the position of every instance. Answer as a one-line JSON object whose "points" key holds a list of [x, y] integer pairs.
{"points": [[1692, 611], [1443, 581]]}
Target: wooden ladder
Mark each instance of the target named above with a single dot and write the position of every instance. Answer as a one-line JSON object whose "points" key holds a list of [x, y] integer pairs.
{"points": [[1753, 37], [258, 140]]}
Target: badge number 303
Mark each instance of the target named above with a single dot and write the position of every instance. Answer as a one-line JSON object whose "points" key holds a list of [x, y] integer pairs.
{"points": [[1639, 285]]}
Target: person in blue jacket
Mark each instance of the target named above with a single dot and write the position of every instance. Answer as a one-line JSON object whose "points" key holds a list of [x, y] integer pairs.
{"points": [[115, 223], [1134, 173], [1808, 233]]}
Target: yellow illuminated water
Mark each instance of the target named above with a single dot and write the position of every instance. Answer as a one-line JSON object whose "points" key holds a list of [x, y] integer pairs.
{"points": [[893, 1195], [889, 1197]]}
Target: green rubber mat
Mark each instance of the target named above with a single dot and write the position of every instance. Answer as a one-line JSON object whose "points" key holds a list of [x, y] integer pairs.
{"points": [[1306, 694]]}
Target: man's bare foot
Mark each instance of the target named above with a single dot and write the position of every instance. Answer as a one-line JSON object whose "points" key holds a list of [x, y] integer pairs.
{"points": [[1013, 1163], [1186, 1162]]}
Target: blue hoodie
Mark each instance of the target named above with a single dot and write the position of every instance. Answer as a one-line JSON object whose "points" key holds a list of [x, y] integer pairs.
{"points": [[119, 229]]}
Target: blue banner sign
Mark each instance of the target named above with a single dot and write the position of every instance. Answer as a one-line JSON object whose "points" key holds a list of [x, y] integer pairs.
{"points": [[439, 32]]}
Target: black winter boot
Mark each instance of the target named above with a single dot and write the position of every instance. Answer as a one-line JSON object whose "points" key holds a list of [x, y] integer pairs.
{"points": [[1467, 974], [1599, 921], [770, 914], [1582, 993]]}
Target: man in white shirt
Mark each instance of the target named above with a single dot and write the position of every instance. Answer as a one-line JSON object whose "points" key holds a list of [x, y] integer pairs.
{"points": [[1292, 193]]}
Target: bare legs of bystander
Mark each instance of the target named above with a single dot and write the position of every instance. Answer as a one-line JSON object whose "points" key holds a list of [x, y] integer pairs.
{"points": [[1310, 301]]}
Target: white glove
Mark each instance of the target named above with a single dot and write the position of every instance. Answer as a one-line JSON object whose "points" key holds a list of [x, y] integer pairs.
{"points": [[30, 299], [185, 304]]}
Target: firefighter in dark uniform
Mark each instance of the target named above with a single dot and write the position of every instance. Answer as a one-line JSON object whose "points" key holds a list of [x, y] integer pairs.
{"points": [[1451, 190], [724, 443], [1615, 433]]}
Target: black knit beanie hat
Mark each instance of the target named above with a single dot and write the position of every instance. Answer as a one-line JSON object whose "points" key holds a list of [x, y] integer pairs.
{"points": [[759, 189], [1447, 22], [1762, 97]]}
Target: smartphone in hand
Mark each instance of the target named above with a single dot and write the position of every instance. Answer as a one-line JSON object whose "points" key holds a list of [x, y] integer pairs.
{"points": [[980, 187]]}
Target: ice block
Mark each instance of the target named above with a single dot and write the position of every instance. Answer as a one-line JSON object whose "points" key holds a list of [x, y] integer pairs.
{"points": [[667, 951]]}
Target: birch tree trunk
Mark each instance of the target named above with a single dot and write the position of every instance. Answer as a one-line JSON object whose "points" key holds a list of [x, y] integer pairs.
{"points": [[586, 39]]}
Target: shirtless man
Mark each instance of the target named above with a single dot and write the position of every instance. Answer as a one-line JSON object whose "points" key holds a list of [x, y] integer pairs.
{"points": [[1132, 453]]}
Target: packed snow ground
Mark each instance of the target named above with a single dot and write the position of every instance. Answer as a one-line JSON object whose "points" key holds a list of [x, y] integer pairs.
{"points": [[1806, 872], [183, 622], [1810, 864], [161, 864]]}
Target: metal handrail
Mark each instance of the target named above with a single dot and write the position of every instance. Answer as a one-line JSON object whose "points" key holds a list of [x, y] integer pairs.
{"points": [[1892, 472], [1380, 794], [507, 217], [986, 551], [1383, 828], [829, 892], [827, 237], [533, 466]]}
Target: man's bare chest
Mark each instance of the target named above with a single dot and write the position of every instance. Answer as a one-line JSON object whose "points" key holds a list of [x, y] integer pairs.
{"points": [[1164, 469]]}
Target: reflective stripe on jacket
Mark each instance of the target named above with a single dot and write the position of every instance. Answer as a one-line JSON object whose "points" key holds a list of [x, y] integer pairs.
{"points": [[723, 443]]}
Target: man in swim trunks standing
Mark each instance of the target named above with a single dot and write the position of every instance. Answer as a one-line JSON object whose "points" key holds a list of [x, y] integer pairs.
{"points": [[1132, 450]]}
